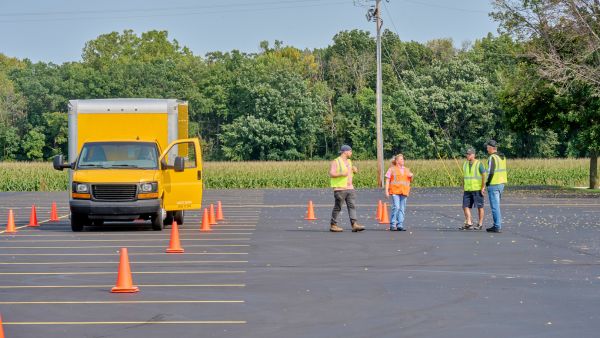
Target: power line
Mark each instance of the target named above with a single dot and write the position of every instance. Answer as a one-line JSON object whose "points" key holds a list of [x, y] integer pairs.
{"points": [[189, 11], [173, 8], [446, 135], [412, 98], [452, 8]]}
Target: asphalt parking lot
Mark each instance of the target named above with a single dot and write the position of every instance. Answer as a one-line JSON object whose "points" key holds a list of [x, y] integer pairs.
{"points": [[266, 272]]}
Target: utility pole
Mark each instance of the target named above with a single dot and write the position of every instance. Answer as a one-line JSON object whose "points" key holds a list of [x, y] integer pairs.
{"points": [[374, 14]]}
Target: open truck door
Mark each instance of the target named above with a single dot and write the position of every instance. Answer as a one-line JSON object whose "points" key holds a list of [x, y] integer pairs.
{"points": [[181, 167]]}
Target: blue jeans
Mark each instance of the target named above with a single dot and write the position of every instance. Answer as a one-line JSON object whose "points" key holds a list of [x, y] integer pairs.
{"points": [[398, 211], [495, 195]]}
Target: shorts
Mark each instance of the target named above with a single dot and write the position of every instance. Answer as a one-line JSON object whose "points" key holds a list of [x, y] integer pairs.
{"points": [[471, 198]]}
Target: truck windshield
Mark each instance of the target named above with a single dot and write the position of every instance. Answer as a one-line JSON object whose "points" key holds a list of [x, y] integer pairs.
{"points": [[118, 155]]}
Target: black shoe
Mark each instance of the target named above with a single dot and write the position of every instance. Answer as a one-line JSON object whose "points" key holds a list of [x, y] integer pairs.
{"points": [[493, 229], [400, 229]]}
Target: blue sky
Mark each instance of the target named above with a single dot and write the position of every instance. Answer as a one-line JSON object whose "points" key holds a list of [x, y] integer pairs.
{"points": [[56, 30]]}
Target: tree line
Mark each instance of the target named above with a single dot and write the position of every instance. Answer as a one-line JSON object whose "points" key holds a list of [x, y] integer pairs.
{"points": [[284, 103]]}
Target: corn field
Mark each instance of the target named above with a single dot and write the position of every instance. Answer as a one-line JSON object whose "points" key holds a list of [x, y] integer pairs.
{"points": [[39, 176]]}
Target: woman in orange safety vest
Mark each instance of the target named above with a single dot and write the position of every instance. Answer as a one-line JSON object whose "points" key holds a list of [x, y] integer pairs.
{"points": [[397, 184]]}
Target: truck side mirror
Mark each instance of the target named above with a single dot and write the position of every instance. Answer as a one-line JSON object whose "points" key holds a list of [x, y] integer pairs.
{"points": [[59, 163], [179, 164]]}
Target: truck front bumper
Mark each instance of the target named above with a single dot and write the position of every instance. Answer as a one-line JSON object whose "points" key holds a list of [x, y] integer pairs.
{"points": [[116, 210]]}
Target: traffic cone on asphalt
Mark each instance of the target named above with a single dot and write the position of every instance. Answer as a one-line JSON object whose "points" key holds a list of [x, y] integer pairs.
{"points": [[10, 226], [174, 244], [54, 213], [205, 221], [211, 215], [124, 281], [219, 212], [1, 329], [385, 218], [33, 222], [310, 212], [379, 210]]}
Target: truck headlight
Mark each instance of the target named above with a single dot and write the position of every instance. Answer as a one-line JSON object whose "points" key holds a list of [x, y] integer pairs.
{"points": [[148, 187], [82, 188]]}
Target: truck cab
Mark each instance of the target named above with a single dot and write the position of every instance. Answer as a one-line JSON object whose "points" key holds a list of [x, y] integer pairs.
{"points": [[127, 162]]}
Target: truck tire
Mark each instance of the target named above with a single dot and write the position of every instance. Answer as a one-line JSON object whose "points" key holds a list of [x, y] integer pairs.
{"points": [[78, 222], [169, 219], [178, 216], [157, 222]]}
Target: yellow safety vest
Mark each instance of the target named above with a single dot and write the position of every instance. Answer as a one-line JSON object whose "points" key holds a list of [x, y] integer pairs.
{"points": [[472, 176], [342, 181], [500, 176]]}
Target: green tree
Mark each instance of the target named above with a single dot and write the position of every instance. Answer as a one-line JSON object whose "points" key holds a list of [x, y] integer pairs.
{"points": [[563, 43], [56, 130], [33, 144]]}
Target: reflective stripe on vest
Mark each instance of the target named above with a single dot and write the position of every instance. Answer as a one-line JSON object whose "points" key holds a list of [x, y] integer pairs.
{"points": [[472, 177], [399, 183], [342, 181], [500, 175]]}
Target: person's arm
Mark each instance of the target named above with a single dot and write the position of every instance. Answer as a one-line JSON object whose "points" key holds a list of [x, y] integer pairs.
{"points": [[491, 171], [482, 172], [387, 187], [388, 178], [410, 174]]}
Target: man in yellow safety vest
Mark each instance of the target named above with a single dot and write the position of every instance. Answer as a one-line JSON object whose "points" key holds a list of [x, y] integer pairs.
{"points": [[497, 178], [474, 188], [341, 172]]}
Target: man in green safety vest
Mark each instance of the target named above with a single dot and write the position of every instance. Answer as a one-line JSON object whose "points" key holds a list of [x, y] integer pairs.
{"points": [[497, 178], [341, 172], [474, 188]]}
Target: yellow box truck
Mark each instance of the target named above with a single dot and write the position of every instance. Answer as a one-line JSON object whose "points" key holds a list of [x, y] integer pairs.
{"points": [[131, 159]]}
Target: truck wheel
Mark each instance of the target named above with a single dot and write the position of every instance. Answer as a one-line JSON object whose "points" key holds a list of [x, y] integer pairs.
{"points": [[179, 217], [157, 222], [78, 222], [169, 219]]}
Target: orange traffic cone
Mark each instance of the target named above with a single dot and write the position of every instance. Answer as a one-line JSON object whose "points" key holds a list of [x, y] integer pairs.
{"points": [[1, 329], [10, 226], [54, 213], [124, 281], [385, 218], [211, 216], [33, 222], [174, 244], [379, 211], [205, 221], [219, 212], [310, 212]]}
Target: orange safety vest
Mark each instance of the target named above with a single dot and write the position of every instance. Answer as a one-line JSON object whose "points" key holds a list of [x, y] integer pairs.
{"points": [[400, 183]]}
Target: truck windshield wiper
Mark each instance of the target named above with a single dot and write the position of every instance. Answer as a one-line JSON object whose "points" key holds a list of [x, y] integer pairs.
{"points": [[125, 165], [92, 165]]}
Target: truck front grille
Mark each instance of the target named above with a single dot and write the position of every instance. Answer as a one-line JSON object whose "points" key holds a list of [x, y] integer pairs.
{"points": [[114, 192]]}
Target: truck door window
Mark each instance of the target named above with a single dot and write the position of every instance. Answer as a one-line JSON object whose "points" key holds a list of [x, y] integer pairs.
{"points": [[187, 150]]}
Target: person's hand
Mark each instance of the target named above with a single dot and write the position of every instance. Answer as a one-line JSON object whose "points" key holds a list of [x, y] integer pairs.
{"points": [[354, 169], [410, 175], [483, 191], [387, 194]]}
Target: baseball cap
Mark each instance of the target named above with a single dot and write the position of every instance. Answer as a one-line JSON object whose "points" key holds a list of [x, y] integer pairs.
{"points": [[345, 147], [492, 143]]}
